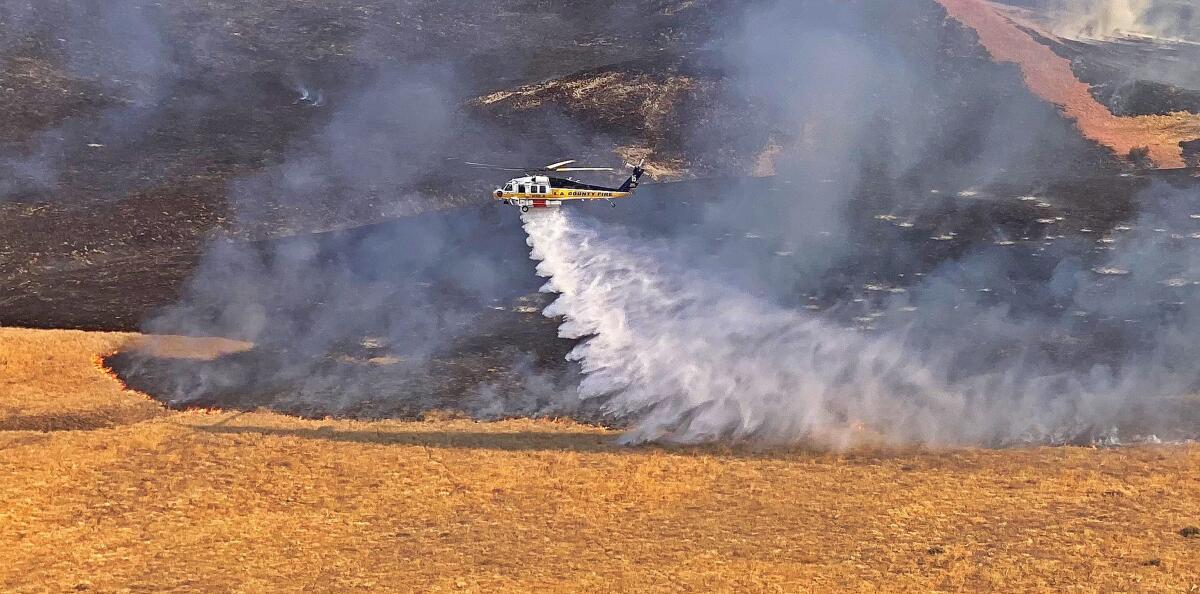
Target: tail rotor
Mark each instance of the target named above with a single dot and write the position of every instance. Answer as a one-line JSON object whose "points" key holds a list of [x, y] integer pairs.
{"points": [[631, 184]]}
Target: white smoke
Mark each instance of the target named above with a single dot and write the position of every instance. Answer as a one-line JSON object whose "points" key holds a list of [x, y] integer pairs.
{"points": [[1107, 19], [1114, 18], [684, 357]]}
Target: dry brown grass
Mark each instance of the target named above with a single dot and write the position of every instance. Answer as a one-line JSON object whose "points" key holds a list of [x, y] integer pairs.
{"points": [[186, 347], [53, 381], [212, 501]]}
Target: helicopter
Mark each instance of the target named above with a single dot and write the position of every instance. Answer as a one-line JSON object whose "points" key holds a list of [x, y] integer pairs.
{"points": [[541, 189]]}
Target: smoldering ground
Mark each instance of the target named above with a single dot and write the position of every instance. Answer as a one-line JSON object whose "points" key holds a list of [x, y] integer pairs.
{"points": [[362, 322], [1047, 331], [892, 279], [392, 319], [385, 319], [1098, 351], [280, 118]]}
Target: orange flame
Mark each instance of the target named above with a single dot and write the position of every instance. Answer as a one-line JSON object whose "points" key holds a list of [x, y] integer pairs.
{"points": [[98, 360]]}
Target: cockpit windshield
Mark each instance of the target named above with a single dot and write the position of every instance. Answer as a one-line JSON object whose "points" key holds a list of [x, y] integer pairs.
{"points": [[508, 187]]}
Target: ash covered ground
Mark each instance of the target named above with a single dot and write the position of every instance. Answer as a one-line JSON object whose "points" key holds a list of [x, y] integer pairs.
{"points": [[284, 175]]}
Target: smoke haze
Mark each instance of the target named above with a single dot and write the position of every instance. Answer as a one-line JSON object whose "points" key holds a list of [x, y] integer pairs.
{"points": [[694, 332], [1104, 19], [927, 265]]}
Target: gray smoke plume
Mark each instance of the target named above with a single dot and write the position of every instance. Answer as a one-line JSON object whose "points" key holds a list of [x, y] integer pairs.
{"points": [[366, 319]]}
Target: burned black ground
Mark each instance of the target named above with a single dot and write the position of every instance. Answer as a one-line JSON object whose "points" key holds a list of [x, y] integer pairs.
{"points": [[123, 236]]}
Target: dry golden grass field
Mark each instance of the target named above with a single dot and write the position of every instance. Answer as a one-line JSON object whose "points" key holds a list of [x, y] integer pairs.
{"points": [[102, 490]]}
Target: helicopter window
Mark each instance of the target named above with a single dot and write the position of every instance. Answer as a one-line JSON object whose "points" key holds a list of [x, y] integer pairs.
{"points": [[542, 189], [521, 189], [507, 187]]}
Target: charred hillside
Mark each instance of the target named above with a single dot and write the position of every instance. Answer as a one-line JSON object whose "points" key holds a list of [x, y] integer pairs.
{"points": [[289, 175], [696, 114], [130, 136], [130, 139]]}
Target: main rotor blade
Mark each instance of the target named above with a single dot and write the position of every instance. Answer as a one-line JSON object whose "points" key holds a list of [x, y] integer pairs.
{"points": [[551, 167], [496, 167]]}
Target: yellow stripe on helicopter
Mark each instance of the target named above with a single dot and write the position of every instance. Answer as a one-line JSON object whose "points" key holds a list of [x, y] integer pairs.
{"points": [[540, 189]]}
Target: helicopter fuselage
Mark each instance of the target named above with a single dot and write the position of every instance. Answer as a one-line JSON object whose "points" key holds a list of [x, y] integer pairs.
{"points": [[540, 191]]}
